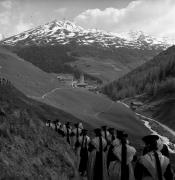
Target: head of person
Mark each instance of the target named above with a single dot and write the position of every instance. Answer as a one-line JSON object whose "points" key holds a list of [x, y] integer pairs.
{"points": [[123, 138], [67, 124], [151, 142], [57, 120], [76, 125], [111, 131], [104, 128], [80, 125], [120, 134], [84, 132], [49, 121], [97, 132]]}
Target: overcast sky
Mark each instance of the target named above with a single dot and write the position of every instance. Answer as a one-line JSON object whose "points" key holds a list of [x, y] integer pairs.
{"points": [[156, 17]]}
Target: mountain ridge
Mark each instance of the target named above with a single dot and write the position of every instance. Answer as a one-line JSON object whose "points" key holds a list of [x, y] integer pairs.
{"points": [[65, 32]]}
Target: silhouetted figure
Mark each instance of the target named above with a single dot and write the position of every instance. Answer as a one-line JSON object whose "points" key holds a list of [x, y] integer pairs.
{"points": [[110, 154], [105, 133], [63, 130], [68, 132], [84, 140], [121, 168], [161, 147], [58, 126], [48, 123], [97, 168], [76, 132], [153, 165]]}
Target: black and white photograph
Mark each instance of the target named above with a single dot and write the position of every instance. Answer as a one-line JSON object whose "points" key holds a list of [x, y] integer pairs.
{"points": [[87, 89]]}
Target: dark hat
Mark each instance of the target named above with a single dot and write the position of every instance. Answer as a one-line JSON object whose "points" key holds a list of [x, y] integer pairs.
{"points": [[84, 131], [76, 124], [119, 133], [104, 127], [67, 124], [97, 131], [56, 121], [124, 135], [149, 139], [111, 130]]}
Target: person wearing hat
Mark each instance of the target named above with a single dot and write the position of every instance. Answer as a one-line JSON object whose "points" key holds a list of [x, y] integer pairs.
{"points": [[57, 124], [48, 123], [113, 137], [105, 134], [153, 165], [76, 132], [68, 132], [121, 167], [58, 127], [80, 125], [84, 141], [52, 125], [97, 168], [161, 147]]}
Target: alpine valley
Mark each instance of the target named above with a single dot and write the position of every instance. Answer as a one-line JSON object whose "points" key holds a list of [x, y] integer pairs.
{"points": [[63, 47], [40, 67]]}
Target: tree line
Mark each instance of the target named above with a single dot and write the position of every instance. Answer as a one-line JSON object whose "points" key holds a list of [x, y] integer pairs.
{"points": [[154, 77]]}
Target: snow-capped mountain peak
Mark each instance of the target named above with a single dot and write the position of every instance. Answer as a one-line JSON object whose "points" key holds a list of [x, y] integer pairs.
{"points": [[66, 32], [66, 25]]}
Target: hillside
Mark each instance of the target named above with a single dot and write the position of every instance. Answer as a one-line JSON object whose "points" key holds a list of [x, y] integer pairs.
{"points": [[94, 109], [29, 150], [23, 74], [154, 82], [62, 46]]}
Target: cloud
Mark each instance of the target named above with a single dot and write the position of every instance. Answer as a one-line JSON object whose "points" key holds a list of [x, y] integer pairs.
{"points": [[152, 16], [61, 12], [5, 18], [23, 27], [5, 14], [6, 4]]}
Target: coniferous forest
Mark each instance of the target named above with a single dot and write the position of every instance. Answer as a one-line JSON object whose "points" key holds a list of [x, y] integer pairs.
{"points": [[154, 78]]}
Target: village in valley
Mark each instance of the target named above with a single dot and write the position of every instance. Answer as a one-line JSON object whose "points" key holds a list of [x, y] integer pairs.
{"points": [[80, 82]]}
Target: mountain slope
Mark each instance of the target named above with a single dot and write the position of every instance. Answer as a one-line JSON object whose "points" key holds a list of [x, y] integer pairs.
{"points": [[95, 110], [23, 74], [100, 54], [29, 150], [154, 82]]}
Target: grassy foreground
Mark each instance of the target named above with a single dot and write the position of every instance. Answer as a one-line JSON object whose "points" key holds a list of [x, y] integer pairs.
{"points": [[28, 149]]}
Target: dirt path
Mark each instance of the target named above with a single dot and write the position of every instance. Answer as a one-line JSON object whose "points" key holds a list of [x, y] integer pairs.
{"points": [[50, 92], [46, 94], [98, 113]]}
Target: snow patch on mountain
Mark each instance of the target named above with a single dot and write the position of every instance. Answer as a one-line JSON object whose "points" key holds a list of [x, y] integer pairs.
{"points": [[66, 32]]}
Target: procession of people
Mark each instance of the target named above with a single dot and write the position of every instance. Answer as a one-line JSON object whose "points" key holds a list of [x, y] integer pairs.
{"points": [[108, 155]]}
